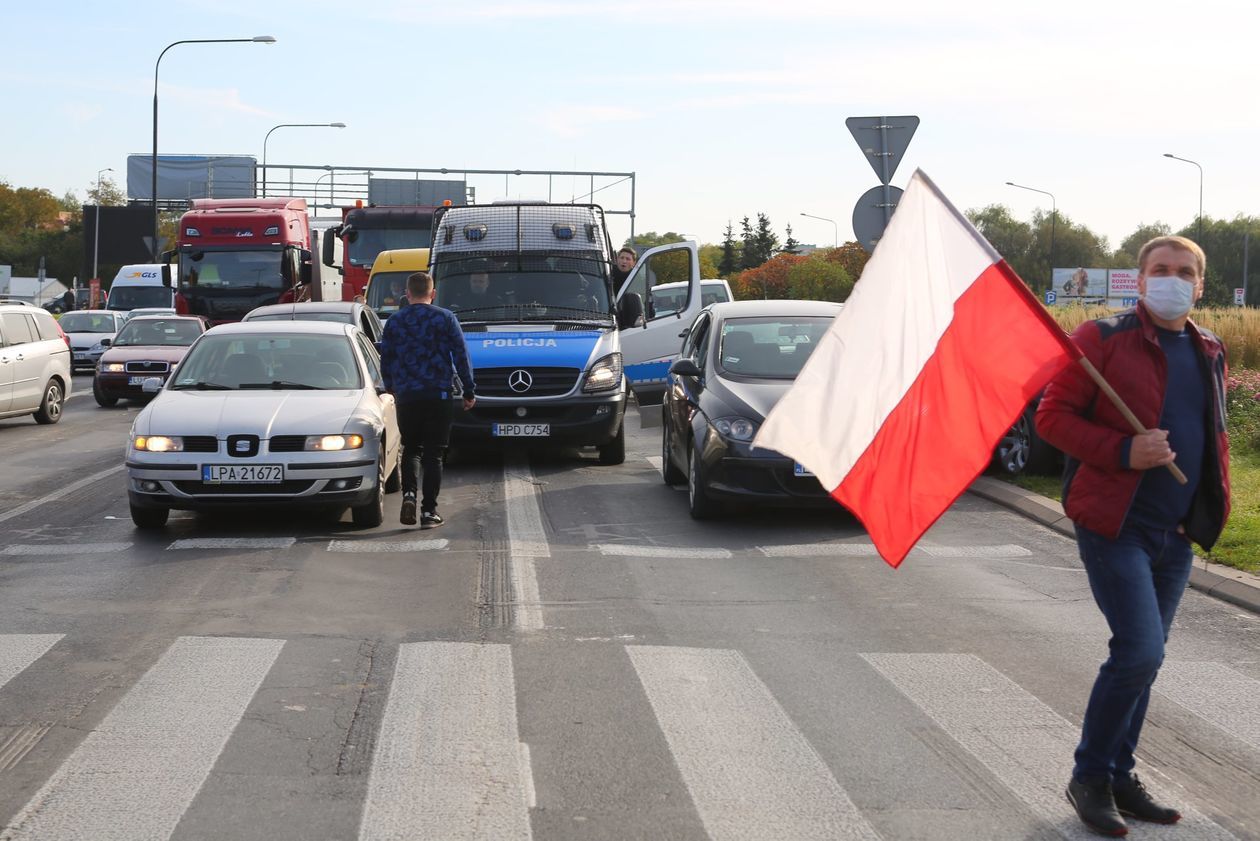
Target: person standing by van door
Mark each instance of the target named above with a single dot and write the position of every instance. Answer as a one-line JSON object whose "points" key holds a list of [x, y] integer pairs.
{"points": [[422, 350], [622, 266]]}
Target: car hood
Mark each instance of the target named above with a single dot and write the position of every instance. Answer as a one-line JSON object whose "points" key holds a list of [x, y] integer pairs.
{"points": [[753, 400], [261, 413], [160, 353]]}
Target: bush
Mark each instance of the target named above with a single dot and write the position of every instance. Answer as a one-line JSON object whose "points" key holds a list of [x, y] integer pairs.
{"points": [[1242, 399], [819, 280], [1238, 327]]}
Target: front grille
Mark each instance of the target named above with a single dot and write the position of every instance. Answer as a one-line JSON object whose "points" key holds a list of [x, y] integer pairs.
{"points": [[147, 367], [287, 443], [201, 444], [546, 382], [542, 412], [286, 488]]}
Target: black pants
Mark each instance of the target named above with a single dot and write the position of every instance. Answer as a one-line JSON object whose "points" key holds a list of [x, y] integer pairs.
{"points": [[426, 430]]}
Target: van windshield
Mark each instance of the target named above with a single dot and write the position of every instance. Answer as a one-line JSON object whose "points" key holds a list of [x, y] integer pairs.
{"points": [[524, 296], [387, 292], [134, 297]]}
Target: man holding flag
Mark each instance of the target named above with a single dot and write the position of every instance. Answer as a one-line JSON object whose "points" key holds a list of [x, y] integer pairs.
{"points": [[1134, 519]]}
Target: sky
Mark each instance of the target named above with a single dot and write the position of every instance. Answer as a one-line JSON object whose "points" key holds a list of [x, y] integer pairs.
{"points": [[722, 108]]}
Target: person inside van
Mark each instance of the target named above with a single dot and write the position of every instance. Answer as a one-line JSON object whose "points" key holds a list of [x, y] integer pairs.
{"points": [[478, 295], [626, 258]]}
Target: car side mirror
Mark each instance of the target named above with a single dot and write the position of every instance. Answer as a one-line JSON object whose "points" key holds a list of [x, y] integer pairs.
{"points": [[629, 310], [151, 385], [685, 368], [106, 342]]}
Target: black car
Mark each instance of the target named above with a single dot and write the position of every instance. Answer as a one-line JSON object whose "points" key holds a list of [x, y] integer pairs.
{"points": [[738, 358]]}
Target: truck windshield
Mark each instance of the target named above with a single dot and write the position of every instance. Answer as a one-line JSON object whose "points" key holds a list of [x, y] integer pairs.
{"points": [[224, 285], [524, 296], [369, 242]]}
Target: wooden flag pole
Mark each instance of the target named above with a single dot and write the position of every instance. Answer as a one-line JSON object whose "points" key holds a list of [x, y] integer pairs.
{"points": [[1124, 410]]}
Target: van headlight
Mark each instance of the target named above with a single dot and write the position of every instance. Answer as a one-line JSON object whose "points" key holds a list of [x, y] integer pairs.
{"points": [[333, 443], [158, 443], [604, 374]]}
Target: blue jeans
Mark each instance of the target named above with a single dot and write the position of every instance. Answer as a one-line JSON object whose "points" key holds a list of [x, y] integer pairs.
{"points": [[1137, 580]]}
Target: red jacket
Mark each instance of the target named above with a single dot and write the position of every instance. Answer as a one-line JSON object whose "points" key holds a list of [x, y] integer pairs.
{"points": [[1075, 416]]}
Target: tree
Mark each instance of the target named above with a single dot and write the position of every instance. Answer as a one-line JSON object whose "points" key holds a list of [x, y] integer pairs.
{"points": [[851, 255], [790, 245], [767, 241], [769, 280], [729, 263], [109, 195], [651, 239], [748, 250], [818, 279], [1126, 254], [709, 256]]}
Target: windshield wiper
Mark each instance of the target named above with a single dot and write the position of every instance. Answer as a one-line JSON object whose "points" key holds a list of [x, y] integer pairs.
{"points": [[202, 386], [279, 384]]}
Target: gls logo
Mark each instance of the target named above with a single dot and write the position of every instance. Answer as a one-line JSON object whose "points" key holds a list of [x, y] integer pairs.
{"points": [[143, 274], [519, 343]]}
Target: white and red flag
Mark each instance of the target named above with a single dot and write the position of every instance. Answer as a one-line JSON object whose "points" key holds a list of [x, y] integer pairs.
{"points": [[938, 350]]}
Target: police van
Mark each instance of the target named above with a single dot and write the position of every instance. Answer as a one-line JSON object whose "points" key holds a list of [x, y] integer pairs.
{"points": [[555, 349]]}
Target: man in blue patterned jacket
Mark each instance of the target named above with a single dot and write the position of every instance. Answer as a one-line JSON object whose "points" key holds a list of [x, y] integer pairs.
{"points": [[421, 351]]}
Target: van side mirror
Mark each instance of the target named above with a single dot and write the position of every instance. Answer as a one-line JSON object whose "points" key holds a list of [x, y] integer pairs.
{"points": [[629, 310]]}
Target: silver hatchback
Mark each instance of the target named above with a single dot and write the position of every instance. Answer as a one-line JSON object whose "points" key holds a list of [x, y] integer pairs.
{"points": [[34, 364]]}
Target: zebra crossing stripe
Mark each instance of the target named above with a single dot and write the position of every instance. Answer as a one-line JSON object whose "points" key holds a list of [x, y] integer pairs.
{"points": [[372, 546], [527, 540], [820, 550], [58, 549], [1005, 550], [448, 762], [233, 543], [629, 550], [750, 772], [1025, 744], [1225, 697], [17, 651], [135, 774]]}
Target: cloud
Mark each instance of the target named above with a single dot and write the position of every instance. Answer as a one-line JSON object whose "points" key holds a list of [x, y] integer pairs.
{"points": [[222, 99], [573, 120], [80, 113]]}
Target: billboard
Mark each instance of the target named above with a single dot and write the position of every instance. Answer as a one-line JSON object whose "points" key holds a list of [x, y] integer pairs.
{"points": [[413, 191], [1080, 283], [1122, 288], [126, 235], [183, 177]]}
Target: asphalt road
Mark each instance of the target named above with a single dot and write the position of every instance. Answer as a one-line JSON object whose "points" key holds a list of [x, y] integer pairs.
{"points": [[570, 657]]}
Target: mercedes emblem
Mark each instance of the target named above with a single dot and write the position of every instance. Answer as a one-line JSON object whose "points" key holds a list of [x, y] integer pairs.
{"points": [[520, 381]]}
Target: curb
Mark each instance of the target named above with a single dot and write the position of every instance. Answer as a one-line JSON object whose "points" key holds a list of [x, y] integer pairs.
{"points": [[1225, 583]]}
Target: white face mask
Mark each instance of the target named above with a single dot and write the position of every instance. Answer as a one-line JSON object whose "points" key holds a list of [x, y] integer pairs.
{"points": [[1168, 297]]}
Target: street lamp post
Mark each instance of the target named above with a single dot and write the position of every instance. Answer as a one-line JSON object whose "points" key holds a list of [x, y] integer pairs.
{"points": [[1054, 218], [96, 234], [1188, 161], [835, 243], [258, 39], [288, 125]]}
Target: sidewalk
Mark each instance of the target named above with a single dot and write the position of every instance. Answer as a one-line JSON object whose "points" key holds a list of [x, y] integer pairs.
{"points": [[1225, 583]]}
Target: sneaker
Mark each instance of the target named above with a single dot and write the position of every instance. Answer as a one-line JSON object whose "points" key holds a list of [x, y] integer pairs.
{"points": [[1134, 800], [408, 515], [430, 520], [1096, 807]]}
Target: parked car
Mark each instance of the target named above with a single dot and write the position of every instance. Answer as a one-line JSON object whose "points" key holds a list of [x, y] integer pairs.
{"points": [[267, 413], [90, 332], [672, 297], [34, 364], [1022, 450], [146, 347], [737, 360], [338, 312]]}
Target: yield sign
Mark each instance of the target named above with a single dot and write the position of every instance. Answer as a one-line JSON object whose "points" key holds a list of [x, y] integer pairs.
{"points": [[883, 140]]}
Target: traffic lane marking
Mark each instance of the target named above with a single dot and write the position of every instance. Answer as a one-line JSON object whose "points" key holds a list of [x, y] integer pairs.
{"points": [[59, 493], [627, 550], [373, 546], [233, 543], [17, 651], [1213, 691], [527, 540], [54, 549]]}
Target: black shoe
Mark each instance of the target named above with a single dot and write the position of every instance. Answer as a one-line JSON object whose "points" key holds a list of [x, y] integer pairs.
{"points": [[408, 515], [1096, 807], [1134, 800], [430, 520]]}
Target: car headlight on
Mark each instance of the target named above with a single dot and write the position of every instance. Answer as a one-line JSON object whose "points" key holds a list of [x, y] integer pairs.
{"points": [[735, 428], [158, 443], [332, 443], [604, 374], [113, 367]]}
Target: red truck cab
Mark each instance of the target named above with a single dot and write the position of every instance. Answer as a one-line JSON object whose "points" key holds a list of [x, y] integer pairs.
{"points": [[238, 254], [367, 231]]}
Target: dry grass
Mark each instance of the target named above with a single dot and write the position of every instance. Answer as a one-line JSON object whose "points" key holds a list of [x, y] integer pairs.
{"points": [[1239, 327]]}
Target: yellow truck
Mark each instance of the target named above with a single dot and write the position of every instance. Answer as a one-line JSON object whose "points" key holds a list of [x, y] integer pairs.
{"points": [[387, 284]]}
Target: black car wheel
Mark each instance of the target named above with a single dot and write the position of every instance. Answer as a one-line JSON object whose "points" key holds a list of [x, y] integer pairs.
{"points": [[50, 407], [671, 474], [699, 503], [149, 518], [1010, 457], [372, 514], [614, 452], [102, 399]]}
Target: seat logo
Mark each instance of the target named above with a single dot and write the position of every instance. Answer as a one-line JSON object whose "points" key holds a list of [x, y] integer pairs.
{"points": [[242, 446], [520, 381]]}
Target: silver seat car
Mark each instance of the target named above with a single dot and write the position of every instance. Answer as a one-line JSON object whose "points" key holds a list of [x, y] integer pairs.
{"points": [[267, 413]]}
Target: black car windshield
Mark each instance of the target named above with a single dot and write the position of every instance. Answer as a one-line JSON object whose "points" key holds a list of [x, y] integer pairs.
{"points": [[88, 322], [176, 332], [770, 347], [524, 296], [264, 360]]}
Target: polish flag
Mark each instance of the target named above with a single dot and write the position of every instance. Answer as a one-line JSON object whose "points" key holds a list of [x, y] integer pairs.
{"points": [[938, 350]]}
